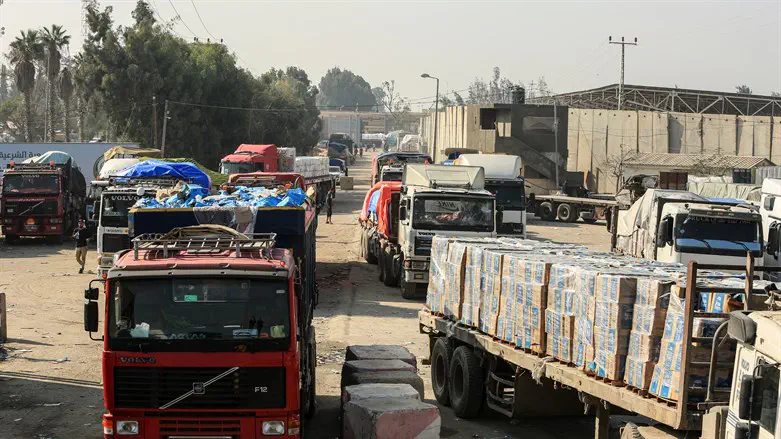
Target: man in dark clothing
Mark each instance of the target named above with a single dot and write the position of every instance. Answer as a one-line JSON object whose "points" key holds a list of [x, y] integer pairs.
{"points": [[329, 206], [81, 234]]}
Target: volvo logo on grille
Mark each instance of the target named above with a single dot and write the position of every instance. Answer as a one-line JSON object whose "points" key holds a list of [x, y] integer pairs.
{"points": [[199, 389], [137, 360]]}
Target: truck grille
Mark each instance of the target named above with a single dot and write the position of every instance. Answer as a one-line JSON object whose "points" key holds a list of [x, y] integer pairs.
{"points": [[153, 387], [201, 426], [423, 245], [14, 208]]}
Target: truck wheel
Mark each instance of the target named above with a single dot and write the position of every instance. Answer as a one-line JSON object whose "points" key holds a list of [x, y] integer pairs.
{"points": [[408, 290], [390, 279], [545, 211], [466, 387], [381, 266], [312, 391], [440, 363], [567, 213], [10, 239], [371, 257]]}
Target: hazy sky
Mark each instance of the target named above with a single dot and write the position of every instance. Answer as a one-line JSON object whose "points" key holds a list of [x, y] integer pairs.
{"points": [[712, 45]]}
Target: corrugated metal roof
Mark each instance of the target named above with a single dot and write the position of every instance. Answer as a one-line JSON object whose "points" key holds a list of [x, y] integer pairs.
{"points": [[684, 161]]}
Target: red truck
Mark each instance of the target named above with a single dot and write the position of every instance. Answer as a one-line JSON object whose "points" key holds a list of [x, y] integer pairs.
{"points": [[380, 227], [251, 158], [207, 333], [41, 200]]}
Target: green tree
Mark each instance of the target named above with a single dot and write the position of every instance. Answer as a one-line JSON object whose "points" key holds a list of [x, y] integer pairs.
{"points": [[54, 39], [25, 50], [743, 89], [344, 89], [379, 97], [5, 91], [66, 93], [12, 116]]}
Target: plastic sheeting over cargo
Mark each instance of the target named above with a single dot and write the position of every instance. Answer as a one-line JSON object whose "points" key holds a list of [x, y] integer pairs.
{"points": [[58, 157], [713, 190], [637, 226], [186, 196], [155, 168], [395, 187]]}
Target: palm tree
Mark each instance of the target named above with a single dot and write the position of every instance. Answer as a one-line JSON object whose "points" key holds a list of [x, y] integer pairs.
{"points": [[66, 92], [25, 49], [53, 39]]}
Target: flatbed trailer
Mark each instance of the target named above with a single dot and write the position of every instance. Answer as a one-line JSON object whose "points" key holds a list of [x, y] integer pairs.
{"points": [[506, 375], [569, 209]]}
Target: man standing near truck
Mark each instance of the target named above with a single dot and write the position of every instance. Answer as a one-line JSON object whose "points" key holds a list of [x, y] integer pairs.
{"points": [[329, 205], [81, 234]]}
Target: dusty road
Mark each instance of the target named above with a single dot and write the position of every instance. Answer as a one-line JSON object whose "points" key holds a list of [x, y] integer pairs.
{"points": [[50, 383]]}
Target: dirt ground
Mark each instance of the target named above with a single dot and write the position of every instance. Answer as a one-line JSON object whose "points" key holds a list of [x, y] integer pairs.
{"points": [[50, 381]]}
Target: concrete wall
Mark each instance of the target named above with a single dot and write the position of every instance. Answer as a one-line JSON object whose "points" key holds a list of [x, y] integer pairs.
{"points": [[596, 135]]}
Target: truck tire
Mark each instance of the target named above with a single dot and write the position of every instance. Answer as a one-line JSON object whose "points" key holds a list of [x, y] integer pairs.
{"points": [[408, 290], [10, 239], [567, 213], [381, 266], [608, 220], [391, 277], [440, 363], [546, 212], [312, 391], [466, 387]]}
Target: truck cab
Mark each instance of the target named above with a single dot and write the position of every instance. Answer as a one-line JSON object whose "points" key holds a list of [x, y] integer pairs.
{"points": [[391, 173], [708, 233], [41, 200], [202, 337], [753, 409], [503, 179], [438, 200], [250, 158]]}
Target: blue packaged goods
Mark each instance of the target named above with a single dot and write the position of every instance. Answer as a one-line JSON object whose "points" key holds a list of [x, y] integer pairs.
{"points": [[191, 195]]}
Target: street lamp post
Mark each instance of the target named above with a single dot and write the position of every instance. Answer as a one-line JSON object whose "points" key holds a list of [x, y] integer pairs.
{"points": [[436, 114]]}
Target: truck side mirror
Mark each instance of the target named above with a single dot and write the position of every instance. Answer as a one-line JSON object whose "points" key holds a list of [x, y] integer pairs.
{"points": [[403, 211], [91, 309], [772, 239], [665, 233], [769, 202], [750, 402]]}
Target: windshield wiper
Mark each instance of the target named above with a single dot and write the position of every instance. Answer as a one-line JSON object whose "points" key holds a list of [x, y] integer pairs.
{"points": [[748, 250], [32, 207], [199, 388]]}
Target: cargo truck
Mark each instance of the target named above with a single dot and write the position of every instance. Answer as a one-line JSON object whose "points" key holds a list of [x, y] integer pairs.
{"points": [[206, 334], [42, 200], [680, 226], [471, 369], [251, 158], [432, 200], [320, 185], [396, 159], [503, 179]]}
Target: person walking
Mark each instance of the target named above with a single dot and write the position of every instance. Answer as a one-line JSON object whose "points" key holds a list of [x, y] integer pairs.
{"points": [[329, 205], [81, 234]]}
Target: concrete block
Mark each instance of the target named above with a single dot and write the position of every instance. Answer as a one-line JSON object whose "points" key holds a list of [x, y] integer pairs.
{"points": [[361, 366], [380, 352], [391, 419], [385, 377], [375, 391], [346, 183]]}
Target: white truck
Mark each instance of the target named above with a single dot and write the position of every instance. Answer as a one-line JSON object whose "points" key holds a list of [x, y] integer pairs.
{"points": [[770, 210], [680, 226], [116, 199], [435, 200], [503, 179]]}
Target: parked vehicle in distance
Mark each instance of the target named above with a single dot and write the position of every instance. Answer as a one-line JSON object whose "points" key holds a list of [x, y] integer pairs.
{"points": [[336, 173], [251, 158], [391, 173], [396, 158], [503, 179], [42, 199], [340, 163]]}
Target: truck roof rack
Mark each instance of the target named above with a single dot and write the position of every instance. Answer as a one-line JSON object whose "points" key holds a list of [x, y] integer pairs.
{"points": [[177, 241]]}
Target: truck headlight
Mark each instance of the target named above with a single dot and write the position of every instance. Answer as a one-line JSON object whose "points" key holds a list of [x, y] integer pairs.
{"points": [[273, 428], [127, 427]]}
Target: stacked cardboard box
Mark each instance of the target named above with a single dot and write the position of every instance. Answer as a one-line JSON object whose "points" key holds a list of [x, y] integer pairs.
{"points": [[523, 300], [311, 167], [560, 314], [614, 299], [650, 310]]}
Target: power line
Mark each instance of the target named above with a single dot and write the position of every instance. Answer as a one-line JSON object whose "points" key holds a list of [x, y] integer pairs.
{"points": [[179, 16], [201, 20], [163, 21]]}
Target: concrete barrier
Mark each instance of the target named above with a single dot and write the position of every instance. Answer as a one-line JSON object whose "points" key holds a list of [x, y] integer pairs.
{"points": [[346, 183], [392, 418], [385, 377], [375, 391], [380, 352], [362, 366]]}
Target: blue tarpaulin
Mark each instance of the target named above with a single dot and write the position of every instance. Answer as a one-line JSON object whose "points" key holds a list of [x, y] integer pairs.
{"points": [[197, 196], [155, 168], [373, 201]]}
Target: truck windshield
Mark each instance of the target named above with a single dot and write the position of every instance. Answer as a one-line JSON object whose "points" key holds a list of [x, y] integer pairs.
{"points": [[508, 195], [210, 313], [30, 184], [453, 213], [239, 167], [115, 209], [391, 176], [717, 229]]}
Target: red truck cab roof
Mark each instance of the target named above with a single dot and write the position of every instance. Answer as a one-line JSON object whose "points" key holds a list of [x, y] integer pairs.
{"points": [[247, 153]]}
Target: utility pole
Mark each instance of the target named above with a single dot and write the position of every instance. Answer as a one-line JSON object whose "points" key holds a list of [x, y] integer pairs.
{"points": [[154, 120], [165, 125], [623, 49]]}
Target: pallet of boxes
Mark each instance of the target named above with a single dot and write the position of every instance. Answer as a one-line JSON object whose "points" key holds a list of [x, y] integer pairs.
{"points": [[382, 395], [618, 319]]}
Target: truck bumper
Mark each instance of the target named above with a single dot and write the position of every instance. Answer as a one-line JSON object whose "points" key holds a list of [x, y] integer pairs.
{"points": [[41, 227], [200, 425], [416, 271]]}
